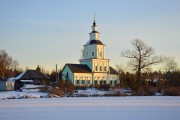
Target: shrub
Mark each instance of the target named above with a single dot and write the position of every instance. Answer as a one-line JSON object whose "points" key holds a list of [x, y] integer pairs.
{"points": [[172, 91], [105, 87], [56, 91]]}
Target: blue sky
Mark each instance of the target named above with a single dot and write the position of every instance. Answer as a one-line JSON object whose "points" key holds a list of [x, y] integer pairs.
{"points": [[49, 32]]}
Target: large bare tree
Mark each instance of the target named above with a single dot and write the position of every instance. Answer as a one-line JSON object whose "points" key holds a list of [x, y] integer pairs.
{"points": [[6, 63], [141, 57]]}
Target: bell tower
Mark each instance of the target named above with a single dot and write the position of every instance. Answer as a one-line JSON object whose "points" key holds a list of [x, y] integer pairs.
{"points": [[94, 52]]}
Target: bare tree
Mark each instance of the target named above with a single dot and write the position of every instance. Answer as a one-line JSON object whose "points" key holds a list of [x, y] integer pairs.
{"points": [[6, 63], [170, 64], [141, 57]]}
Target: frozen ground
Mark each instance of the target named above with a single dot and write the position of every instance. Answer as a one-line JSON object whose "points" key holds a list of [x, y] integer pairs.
{"points": [[92, 108], [25, 94]]}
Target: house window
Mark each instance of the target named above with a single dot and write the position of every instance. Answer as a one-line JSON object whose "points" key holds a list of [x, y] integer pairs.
{"points": [[77, 81], [83, 81], [92, 53]]}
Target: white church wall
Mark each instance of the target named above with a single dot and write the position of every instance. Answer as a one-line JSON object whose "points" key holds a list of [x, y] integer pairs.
{"points": [[67, 74], [87, 62], [82, 79], [100, 65]]}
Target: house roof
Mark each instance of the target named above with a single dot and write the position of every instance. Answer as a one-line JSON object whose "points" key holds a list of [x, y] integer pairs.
{"points": [[31, 75], [79, 68], [112, 70]]}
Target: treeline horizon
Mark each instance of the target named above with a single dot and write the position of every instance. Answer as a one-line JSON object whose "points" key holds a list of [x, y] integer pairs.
{"points": [[139, 62]]}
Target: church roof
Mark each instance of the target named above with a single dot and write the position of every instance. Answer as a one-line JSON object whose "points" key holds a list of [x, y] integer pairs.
{"points": [[82, 68], [79, 68], [112, 70], [97, 42]]}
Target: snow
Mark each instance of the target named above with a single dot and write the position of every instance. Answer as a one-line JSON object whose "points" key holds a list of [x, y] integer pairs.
{"points": [[18, 95], [96, 92], [92, 108], [19, 76], [91, 92], [155, 81], [32, 86], [28, 81], [11, 79]]}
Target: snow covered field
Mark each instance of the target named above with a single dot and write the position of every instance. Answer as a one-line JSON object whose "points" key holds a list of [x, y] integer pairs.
{"points": [[92, 108]]}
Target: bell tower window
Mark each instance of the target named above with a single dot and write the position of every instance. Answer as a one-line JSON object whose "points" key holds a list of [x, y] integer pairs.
{"points": [[96, 68]]}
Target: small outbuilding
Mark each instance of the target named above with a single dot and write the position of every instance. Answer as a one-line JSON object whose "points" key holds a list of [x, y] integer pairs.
{"points": [[7, 84], [2, 84], [33, 76]]}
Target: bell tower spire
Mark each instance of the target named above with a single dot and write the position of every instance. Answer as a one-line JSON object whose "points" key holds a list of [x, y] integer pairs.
{"points": [[94, 35], [94, 24]]}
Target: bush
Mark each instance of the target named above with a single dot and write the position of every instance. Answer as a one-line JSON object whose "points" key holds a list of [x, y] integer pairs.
{"points": [[62, 88], [105, 87], [97, 86], [172, 91], [144, 90], [56, 91]]}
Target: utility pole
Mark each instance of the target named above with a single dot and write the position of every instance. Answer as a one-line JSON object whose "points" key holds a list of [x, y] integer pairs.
{"points": [[57, 76]]}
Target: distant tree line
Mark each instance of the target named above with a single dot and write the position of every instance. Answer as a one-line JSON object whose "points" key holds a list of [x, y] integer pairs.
{"points": [[141, 58]]}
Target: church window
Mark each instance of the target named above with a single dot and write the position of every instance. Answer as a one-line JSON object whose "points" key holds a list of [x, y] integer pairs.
{"points": [[92, 53], [105, 68], [111, 82], [88, 81], [95, 82], [100, 68], [115, 82]]}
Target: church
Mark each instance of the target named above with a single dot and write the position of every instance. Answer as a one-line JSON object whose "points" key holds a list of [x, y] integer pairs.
{"points": [[94, 67]]}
